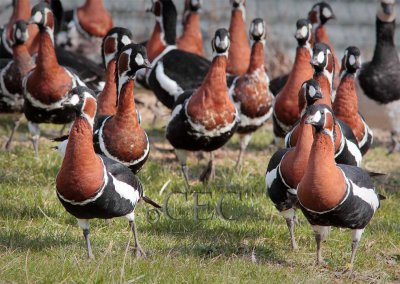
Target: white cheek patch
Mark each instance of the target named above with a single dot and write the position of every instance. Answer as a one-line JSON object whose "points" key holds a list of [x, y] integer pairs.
{"points": [[37, 17], [126, 40], [217, 41], [139, 59], [18, 33], [252, 27], [321, 57], [352, 59], [311, 91], [303, 31], [74, 100], [260, 28], [316, 117], [326, 12], [226, 42]]}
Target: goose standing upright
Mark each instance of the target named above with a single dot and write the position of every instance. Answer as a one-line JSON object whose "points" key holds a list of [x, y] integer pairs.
{"points": [[286, 106], [287, 166], [346, 149], [205, 119], [330, 194], [173, 70], [120, 137], [113, 42], [47, 85], [239, 51], [250, 92], [345, 105], [85, 30], [11, 90], [379, 79], [21, 11], [93, 186], [319, 15], [191, 39]]}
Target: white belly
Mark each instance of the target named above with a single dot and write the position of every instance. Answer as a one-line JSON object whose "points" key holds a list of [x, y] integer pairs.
{"points": [[383, 116]]}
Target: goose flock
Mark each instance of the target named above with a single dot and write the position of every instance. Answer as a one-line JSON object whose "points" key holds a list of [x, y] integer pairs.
{"points": [[62, 67]]}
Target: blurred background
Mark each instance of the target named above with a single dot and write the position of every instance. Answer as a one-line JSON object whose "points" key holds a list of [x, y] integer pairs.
{"points": [[355, 23]]}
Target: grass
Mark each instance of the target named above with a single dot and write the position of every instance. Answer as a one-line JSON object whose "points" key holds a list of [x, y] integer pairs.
{"points": [[41, 243]]}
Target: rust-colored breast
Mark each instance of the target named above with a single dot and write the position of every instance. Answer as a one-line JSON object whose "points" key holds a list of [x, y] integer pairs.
{"points": [[96, 22], [191, 39], [239, 51], [107, 99], [155, 46], [288, 102], [252, 92], [81, 173], [210, 105], [345, 106], [210, 113], [325, 89], [49, 86], [323, 186], [294, 164], [124, 140], [13, 80]]}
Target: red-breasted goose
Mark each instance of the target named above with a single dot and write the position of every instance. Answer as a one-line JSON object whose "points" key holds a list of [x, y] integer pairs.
{"points": [[332, 194], [21, 11], [173, 70], [92, 186], [239, 51], [47, 85], [345, 105], [250, 92], [319, 15], [120, 137], [113, 42], [287, 167], [347, 151], [86, 29], [286, 107], [11, 75], [205, 119], [191, 39]]}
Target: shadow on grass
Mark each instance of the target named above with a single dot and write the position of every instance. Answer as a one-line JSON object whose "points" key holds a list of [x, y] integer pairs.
{"points": [[24, 242]]}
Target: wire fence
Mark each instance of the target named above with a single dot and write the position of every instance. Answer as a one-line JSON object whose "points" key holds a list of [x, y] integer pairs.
{"points": [[355, 23]]}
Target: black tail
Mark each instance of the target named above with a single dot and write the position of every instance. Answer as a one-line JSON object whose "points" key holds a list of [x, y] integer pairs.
{"points": [[381, 197], [151, 202], [374, 174]]}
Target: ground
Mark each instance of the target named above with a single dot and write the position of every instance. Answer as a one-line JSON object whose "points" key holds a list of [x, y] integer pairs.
{"points": [[41, 243]]}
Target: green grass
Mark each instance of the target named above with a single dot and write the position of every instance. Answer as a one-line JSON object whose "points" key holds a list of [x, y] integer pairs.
{"points": [[41, 243]]}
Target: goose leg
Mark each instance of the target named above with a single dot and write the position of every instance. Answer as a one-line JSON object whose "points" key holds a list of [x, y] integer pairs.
{"points": [[290, 224], [17, 122], [182, 157], [35, 133], [138, 249], [244, 141], [321, 232], [290, 217], [209, 172], [84, 224], [356, 236], [62, 129]]}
